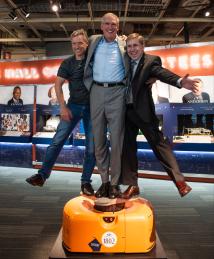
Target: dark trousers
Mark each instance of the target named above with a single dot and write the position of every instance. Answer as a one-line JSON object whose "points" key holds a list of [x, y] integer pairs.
{"points": [[159, 144]]}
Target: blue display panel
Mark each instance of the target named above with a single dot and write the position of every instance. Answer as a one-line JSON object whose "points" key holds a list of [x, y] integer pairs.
{"points": [[16, 155], [20, 155]]}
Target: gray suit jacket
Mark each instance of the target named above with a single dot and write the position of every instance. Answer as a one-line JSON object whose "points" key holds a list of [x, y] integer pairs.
{"points": [[88, 72]]}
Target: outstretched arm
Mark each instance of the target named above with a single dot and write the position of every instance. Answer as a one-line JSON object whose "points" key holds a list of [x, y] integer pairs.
{"points": [[171, 78], [190, 84]]}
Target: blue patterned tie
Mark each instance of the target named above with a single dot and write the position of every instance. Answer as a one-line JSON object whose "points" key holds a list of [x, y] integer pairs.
{"points": [[133, 63], [129, 96]]}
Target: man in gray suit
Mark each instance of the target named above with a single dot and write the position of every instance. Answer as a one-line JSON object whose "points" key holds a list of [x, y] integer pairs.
{"points": [[105, 77]]}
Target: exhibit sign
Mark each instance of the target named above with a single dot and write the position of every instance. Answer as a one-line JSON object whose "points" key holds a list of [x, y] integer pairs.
{"points": [[194, 59], [29, 72]]}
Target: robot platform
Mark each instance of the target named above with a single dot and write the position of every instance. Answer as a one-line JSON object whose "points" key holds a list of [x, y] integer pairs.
{"points": [[59, 252], [104, 227]]}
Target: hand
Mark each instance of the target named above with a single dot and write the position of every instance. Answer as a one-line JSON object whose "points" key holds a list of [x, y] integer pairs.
{"points": [[190, 84], [66, 114], [151, 81], [123, 37]]}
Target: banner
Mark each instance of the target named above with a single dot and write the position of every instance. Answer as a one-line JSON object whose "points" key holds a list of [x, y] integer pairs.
{"points": [[196, 60], [29, 72]]}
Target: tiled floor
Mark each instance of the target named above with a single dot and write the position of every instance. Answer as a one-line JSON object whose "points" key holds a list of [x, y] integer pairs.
{"points": [[30, 217]]}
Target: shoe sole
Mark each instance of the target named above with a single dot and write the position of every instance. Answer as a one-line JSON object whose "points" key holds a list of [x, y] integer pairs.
{"points": [[132, 197], [182, 195], [119, 196], [81, 193], [28, 181]]}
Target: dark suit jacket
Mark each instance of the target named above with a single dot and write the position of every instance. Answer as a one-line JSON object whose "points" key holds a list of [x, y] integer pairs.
{"points": [[12, 103], [149, 66], [191, 98]]}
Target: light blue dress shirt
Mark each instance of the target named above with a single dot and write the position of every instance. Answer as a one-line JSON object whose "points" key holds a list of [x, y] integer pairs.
{"points": [[108, 65]]}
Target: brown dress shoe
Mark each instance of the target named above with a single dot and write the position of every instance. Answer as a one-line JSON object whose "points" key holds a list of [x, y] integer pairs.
{"points": [[36, 180], [87, 189], [183, 188], [130, 192]]}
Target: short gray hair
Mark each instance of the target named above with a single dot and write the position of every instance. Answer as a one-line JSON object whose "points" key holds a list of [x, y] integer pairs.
{"points": [[110, 14]]}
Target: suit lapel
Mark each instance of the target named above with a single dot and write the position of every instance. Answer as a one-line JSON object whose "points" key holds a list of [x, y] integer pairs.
{"points": [[125, 59], [91, 49], [121, 46]]}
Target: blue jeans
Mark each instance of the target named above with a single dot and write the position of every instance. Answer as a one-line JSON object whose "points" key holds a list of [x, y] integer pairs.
{"points": [[62, 133]]}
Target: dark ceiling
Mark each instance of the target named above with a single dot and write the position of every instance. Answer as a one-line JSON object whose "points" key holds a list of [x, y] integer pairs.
{"points": [[162, 22]]}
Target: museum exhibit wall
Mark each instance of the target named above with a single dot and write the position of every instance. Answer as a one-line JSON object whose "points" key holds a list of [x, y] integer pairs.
{"points": [[26, 130]]}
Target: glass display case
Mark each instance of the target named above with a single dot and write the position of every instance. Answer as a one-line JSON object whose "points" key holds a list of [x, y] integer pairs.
{"points": [[47, 115], [194, 127]]}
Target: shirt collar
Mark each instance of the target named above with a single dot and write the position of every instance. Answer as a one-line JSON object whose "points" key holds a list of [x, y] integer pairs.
{"points": [[15, 101], [198, 96], [104, 40], [137, 60]]}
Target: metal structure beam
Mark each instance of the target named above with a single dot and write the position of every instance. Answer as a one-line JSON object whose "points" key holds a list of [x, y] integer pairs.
{"points": [[61, 24], [139, 20], [154, 38], [205, 35], [193, 15], [125, 16], [14, 6], [159, 18], [91, 16], [3, 28]]}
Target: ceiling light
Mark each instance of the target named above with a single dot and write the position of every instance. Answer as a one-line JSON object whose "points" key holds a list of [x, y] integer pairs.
{"points": [[25, 12], [207, 13], [55, 6], [13, 15]]}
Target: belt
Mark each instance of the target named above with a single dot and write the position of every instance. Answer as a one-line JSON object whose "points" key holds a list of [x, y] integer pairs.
{"points": [[108, 84], [130, 105]]}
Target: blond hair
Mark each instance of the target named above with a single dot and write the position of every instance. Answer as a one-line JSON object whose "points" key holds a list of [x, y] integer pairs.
{"points": [[80, 32], [136, 36]]}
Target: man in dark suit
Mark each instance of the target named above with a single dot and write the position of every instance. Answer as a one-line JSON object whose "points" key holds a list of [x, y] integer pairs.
{"points": [[140, 114], [16, 100]]}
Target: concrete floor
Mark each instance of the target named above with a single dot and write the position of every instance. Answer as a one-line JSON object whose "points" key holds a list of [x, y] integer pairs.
{"points": [[30, 217]]}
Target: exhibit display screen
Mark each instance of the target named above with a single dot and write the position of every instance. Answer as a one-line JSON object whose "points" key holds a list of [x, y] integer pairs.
{"points": [[16, 111], [197, 60], [15, 122]]}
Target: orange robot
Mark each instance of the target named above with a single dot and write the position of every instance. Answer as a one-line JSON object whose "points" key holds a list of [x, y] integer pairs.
{"points": [[125, 226]]}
